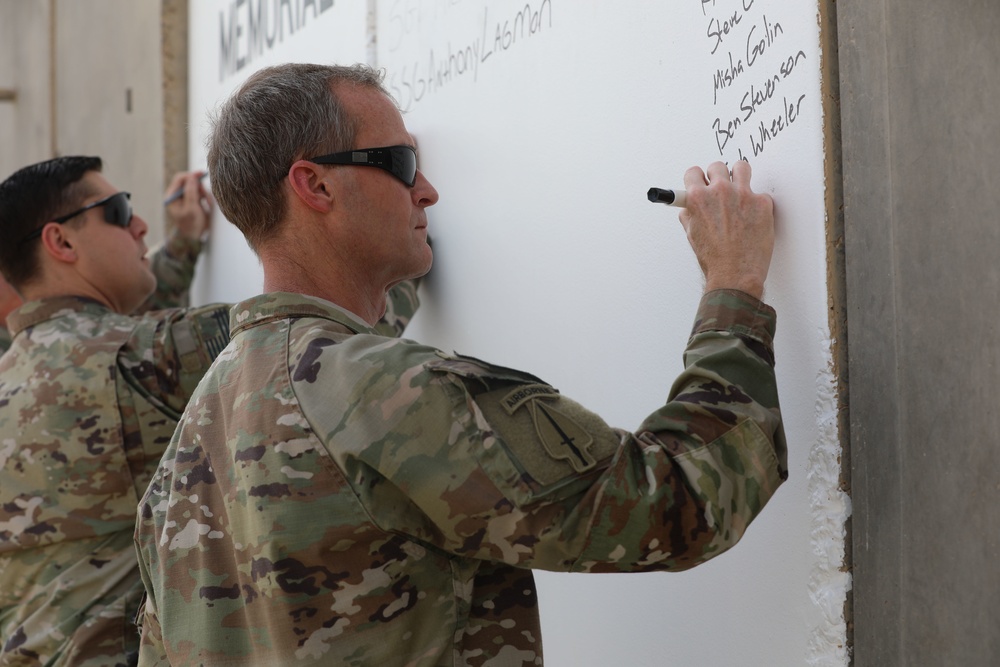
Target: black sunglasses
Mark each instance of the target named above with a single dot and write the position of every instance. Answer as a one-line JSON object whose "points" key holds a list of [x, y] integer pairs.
{"points": [[117, 211], [400, 161]]}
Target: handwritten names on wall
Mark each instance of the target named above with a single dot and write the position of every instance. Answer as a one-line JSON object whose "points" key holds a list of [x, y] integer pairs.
{"points": [[459, 39], [759, 78]]}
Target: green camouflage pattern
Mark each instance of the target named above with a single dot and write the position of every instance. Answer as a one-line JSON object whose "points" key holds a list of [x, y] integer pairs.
{"points": [[401, 304], [88, 402], [336, 497], [71, 470], [173, 265]]}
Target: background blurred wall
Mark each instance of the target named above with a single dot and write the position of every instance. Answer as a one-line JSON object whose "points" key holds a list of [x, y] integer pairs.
{"points": [[101, 77]]}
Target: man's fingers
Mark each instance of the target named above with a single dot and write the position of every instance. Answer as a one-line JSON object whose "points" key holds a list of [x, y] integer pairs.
{"points": [[717, 172], [176, 183], [192, 187], [741, 173], [694, 178]]}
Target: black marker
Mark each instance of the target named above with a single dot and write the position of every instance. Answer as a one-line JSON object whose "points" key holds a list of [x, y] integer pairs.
{"points": [[180, 192], [669, 197]]}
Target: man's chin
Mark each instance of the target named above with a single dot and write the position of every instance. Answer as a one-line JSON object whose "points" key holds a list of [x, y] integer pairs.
{"points": [[427, 264], [146, 293]]}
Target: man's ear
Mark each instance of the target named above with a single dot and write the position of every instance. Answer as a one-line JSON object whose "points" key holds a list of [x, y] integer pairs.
{"points": [[56, 242], [312, 185]]}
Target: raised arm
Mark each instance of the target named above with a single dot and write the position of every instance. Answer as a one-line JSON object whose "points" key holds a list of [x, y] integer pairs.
{"points": [[173, 264]]}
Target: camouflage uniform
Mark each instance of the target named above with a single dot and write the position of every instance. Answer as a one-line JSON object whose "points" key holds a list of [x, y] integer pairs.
{"points": [[173, 266], [71, 470], [88, 402], [334, 497]]}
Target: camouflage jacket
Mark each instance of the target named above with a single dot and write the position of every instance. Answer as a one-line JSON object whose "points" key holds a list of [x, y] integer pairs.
{"points": [[335, 497], [88, 402], [173, 265]]}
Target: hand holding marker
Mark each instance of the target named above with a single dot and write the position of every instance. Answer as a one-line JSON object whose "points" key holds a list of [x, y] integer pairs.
{"points": [[179, 192]]}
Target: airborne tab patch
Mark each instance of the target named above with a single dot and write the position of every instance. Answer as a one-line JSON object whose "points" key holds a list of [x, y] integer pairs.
{"points": [[515, 399]]}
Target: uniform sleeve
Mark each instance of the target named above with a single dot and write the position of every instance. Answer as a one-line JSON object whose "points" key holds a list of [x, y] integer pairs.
{"points": [[400, 305], [170, 350], [494, 464], [173, 265]]}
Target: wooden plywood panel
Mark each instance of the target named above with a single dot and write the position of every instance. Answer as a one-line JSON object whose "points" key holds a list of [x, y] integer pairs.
{"points": [[25, 71], [108, 95]]}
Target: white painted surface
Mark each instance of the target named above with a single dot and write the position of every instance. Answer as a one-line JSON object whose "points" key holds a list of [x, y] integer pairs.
{"points": [[550, 259], [322, 32]]}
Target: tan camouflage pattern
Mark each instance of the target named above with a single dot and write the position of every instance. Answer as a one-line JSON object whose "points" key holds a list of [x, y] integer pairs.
{"points": [[335, 497], [173, 265], [88, 402], [69, 584], [401, 304]]}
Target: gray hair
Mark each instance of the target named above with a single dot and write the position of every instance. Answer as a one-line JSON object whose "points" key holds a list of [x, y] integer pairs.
{"points": [[279, 115]]}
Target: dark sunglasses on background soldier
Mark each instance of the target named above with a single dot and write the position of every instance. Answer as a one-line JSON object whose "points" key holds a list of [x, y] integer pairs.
{"points": [[117, 211]]}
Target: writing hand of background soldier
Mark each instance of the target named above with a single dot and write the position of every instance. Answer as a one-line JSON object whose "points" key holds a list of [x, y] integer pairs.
{"points": [[730, 228], [191, 213]]}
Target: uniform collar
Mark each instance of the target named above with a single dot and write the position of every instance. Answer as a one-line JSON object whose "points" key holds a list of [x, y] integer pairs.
{"points": [[35, 312], [283, 305]]}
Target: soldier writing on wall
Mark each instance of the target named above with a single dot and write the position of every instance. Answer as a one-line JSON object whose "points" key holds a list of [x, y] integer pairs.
{"points": [[172, 264], [332, 496], [89, 398]]}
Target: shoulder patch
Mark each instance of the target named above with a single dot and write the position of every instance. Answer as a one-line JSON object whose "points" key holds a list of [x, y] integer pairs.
{"points": [[562, 437], [548, 442], [524, 393], [201, 336]]}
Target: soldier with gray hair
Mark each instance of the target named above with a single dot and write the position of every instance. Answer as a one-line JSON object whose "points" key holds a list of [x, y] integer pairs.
{"points": [[332, 496], [102, 362]]}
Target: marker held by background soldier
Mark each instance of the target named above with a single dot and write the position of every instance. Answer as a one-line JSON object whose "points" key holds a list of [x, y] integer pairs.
{"points": [[669, 197], [179, 192]]}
